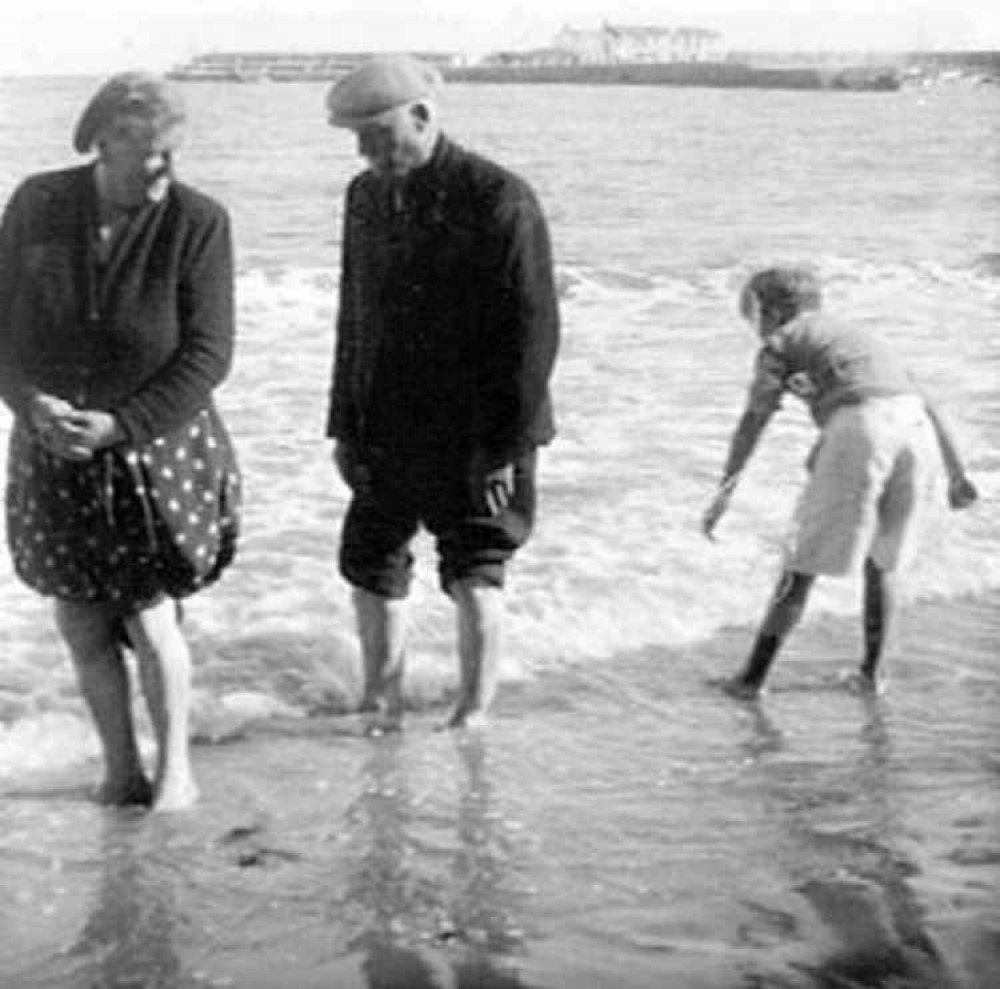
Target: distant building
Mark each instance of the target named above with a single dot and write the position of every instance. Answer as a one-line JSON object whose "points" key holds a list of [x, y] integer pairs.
{"points": [[613, 43]]}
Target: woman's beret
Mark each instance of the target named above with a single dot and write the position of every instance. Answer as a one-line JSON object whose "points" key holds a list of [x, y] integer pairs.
{"points": [[137, 94]]}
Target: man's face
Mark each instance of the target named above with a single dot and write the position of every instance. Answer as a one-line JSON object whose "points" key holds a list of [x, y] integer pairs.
{"points": [[137, 162], [394, 145]]}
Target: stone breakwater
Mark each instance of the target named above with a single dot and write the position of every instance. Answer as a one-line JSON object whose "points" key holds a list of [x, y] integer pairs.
{"points": [[714, 74]]}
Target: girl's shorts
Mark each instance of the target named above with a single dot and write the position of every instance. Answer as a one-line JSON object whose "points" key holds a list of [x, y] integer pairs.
{"points": [[874, 476]]}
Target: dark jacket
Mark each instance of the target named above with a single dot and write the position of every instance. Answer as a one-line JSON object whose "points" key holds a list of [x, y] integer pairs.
{"points": [[149, 340], [448, 323]]}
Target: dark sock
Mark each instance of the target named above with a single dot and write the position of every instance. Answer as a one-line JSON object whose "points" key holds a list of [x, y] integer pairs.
{"points": [[764, 650]]}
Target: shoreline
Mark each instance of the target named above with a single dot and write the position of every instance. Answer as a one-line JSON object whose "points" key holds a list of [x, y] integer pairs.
{"points": [[621, 825]]}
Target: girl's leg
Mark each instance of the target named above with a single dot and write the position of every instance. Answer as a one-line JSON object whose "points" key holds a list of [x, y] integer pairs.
{"points": [[880, 620], [165, 673], [89, 631], [783, 614]]}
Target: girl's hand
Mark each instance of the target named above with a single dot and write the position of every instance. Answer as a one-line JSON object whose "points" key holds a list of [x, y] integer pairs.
{"points": [[715, 511], [961, 491]]}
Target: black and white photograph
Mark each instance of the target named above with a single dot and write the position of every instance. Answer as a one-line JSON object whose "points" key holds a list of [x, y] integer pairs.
{"points": [[500, 497]]}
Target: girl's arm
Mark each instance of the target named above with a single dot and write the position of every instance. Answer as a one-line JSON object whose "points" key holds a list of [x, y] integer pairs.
{"points": [[961, 491]]}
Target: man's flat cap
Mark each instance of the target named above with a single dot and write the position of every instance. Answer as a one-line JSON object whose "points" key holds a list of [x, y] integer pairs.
{"points": [[378, 85], [137, 94]]}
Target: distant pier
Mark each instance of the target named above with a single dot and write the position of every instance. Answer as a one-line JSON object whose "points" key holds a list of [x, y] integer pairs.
{"points": [[762, 70]]}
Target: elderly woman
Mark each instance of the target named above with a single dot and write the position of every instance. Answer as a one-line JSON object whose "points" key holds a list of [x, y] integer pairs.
{"points": [[116, 324]]}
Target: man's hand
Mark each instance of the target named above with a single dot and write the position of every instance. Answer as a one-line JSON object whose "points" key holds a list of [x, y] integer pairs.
{"points": [[492, 487], [498, 488], [961, 491], [354, 474]]}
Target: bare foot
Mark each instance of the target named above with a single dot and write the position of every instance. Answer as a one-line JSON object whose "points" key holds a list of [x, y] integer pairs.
{"points": [[738, 688], [179, 794], [382, 723], [135, 791], [380, 717], [465, 718], [864, 684]]}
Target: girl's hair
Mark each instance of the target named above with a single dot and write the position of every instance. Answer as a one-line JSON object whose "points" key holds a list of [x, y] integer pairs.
{"points": [[782, 293]]}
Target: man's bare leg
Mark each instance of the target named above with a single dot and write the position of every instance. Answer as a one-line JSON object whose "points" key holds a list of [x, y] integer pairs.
{"points": [[480, 624], [89, 631], [383, 624], [165, 673]]}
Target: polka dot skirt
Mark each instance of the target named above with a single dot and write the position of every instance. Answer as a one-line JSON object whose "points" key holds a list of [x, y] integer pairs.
{"points": [[129, 525]]}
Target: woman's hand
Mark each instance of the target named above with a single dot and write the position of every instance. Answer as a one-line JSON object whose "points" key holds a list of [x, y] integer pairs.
{"points": [[50, 417], [90, 429]]}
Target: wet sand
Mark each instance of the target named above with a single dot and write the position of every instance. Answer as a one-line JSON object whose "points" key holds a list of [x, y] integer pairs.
{"points": [[623, 825]]}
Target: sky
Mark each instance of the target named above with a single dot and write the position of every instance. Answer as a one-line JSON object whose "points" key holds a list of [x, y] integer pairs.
{"points": [[102, 36]]}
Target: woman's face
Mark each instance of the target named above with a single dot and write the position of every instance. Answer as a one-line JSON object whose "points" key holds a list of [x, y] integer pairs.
{"points": [[136, 161]]}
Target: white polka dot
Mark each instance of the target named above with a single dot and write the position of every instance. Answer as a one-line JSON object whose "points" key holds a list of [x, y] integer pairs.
{"points": [[174, 505], [167, 473]]}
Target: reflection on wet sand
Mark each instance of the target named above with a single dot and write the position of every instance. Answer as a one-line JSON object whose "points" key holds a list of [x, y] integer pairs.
{"points": [[846, 863], [424, 930], [128, 938]]}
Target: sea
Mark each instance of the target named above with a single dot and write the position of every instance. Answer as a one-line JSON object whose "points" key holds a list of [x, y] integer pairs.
{"points": [[620, 821]]}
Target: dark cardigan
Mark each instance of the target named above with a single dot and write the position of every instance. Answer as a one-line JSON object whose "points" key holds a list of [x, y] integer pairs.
{"points": [[448, 324], [147, 339]]}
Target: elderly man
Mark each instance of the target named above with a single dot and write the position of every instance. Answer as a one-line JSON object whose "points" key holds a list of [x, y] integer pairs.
{"points": [[447, 333]]}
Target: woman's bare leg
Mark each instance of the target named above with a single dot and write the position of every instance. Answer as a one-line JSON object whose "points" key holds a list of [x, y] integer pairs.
{"points": [[89, 631], [165, 673]]}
